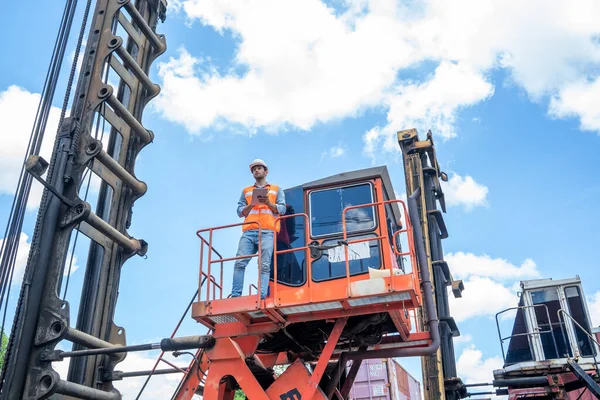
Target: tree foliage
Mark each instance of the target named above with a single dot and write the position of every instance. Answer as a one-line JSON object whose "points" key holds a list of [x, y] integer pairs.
{"points": [[3, 349]]}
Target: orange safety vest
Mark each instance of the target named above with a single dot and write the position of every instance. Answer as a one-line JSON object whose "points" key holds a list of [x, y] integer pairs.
{"points": [[261, 213]]}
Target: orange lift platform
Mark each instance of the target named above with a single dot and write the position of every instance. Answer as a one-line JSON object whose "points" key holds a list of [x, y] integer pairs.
{"points": [[350, 285]]}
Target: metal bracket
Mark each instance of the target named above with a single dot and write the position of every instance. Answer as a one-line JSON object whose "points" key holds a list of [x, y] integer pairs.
{"points": [[36, 166], [457, 288], [51, 355], [451, 324], [77, 213]]}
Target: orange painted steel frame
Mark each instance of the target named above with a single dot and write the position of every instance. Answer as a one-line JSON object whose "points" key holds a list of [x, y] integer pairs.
{"points": [[221, 260], [237, 341], [312, 292], [228, 358]]}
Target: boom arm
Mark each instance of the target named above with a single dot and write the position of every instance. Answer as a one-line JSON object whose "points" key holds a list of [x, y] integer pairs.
{"points": [[422, 171]]}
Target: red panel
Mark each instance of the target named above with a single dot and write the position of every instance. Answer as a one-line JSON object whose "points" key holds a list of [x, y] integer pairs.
{"points": [[587, 395]]}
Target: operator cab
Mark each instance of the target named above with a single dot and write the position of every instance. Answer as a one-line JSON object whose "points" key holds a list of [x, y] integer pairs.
{"points": [[552, 324], [345, 247], [324, 201]]}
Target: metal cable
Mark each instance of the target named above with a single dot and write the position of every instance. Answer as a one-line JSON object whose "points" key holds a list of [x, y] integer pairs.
{"points": [[15, 222], [11, 241], [174, 332], [10, 244]]}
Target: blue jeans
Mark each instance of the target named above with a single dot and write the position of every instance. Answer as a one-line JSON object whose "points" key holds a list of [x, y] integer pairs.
{"points": [[249, 245]]}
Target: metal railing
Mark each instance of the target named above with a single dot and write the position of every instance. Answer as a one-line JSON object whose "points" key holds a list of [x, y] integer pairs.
{"points": [[221, 260], [589, 335], [383, 239], [214, 284], [304, 248], [528, 334]]}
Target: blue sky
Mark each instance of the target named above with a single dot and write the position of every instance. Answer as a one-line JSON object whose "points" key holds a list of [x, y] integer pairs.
{"points": [[316, 89]]}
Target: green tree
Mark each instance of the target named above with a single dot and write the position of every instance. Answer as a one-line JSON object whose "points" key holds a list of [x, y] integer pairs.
{"points": [[3, 347]]}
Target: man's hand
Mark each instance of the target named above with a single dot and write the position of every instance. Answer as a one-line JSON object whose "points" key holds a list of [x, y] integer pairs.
{"points": [[271, 206], [246, 210]]}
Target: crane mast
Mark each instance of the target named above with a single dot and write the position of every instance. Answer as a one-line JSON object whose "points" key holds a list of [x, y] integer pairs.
{"points": [[122, 40], [422, 173]]}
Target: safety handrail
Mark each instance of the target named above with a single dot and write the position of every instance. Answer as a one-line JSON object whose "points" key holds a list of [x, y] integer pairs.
{"points": [[526, 333], [589, 335], [383, 238], [222, 260], [211, 279], [277, 252], [250, 286]]}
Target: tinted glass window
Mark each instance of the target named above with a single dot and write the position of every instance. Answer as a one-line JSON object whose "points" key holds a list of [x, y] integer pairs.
{"points": [[291, 267], [332, 263], [578, 313], [518, 346], [549, 297], [326, 207]]}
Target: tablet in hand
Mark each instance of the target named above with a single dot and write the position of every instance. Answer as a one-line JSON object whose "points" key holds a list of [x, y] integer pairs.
{"points": [[256, 193]]}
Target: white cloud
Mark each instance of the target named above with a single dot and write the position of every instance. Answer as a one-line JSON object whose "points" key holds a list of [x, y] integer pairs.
{"points": [[463, 338], [74, 265], [579, 99], [594, 309], [464, 191], [491, 284], [293, 76], [23, 255], [473, 368], [482, 297], [334, 152], [21, 259], [466, 265], [160, 386], [18, 108], [433, 105], [283, 75], [17, 113]]}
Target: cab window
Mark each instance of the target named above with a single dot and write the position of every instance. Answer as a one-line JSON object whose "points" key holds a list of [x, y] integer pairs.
{"points": [[326, 207]]}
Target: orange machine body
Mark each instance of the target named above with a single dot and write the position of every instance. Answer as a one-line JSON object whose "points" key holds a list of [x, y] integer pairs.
{"points": [[347, 278]]}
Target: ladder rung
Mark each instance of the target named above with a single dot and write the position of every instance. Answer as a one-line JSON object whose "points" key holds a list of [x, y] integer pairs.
{"points": [[122, 71], [144, 27], [130, 29], [131, 244], [82, 392], [115, 122], [117, 169], [152, 88], [126, 116]]}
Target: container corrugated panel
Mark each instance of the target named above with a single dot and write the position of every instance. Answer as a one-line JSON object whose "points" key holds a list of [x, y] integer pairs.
{"points": [[383, 379], [372, 381]]}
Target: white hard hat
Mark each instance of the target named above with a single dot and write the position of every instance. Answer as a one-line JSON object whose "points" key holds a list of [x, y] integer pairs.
{"points": [[256, 162]]}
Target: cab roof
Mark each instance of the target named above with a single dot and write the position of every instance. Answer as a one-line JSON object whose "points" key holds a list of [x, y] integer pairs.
{"points": [[360, 175]]}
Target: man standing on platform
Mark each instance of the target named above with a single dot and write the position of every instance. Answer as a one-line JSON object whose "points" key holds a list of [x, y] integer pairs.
{"points": [[261, 203]]}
